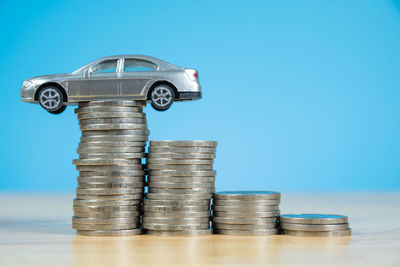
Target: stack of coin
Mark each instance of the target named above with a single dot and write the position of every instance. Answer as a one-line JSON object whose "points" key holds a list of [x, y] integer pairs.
{"points": [[181, 182], [111, 174], [314, 225], [246, 212]]}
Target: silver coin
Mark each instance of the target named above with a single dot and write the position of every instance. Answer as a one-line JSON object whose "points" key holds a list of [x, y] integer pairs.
{"points": [[209, 150], [202, 232], [94, 162], [115, 133], [247, 195], [314, 227], [107, 109], [110, 185], [112, 126], [113, 120], [246, 208], [227, 226], [248, 214], [117, 180], [243, 220], [111, 144], [112, 174], [110, 156], [105, 209], [176, 209], [251, 203], [205, 190], [163, 220], [182, 179], [104, 203], [165, 196], [130, 167], [113, 102], [313, 218], [180, 185], [318, 234], [129, 149], [99, 115], [79, 220], [173, 227], [83, 191], [181, 173], [136, 196], [115, 138], [167, 155], [106, 215], [184, 143], [175, 214], [176, 203], [105, 227], [247, 232], [128, 232], [179, 167], [179, 161]]}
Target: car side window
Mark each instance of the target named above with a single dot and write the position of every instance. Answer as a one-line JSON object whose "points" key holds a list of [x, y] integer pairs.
{"points": [[133, 65], [106, 66]]}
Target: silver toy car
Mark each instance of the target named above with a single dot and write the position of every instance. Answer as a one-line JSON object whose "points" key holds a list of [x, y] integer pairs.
{"points": [[133, 77]]}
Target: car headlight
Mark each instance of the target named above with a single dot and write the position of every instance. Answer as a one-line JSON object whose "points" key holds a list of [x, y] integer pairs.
{"points": [[27, 84]]}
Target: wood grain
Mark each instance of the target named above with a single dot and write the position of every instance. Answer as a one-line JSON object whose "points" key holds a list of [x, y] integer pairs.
{"points": [[35, 230]]}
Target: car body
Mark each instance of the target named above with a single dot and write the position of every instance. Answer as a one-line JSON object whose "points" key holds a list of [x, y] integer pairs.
{"points": [[115, 77]]}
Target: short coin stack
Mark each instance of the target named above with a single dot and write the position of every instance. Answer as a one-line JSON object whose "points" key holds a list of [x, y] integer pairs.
{"points": [[181, 182], [246, 212], [315, 225], [111, 175]]}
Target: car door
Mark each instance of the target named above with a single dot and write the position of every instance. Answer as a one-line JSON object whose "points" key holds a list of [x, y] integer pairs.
{"points": [[102, 80], [134, 76]]}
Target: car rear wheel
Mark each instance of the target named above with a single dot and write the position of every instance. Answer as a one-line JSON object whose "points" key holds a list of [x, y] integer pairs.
{"points": [[51, 99], [162, 96]]}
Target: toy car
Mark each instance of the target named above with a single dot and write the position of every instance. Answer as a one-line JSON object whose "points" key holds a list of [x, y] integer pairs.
{"points": [[134, 77]]}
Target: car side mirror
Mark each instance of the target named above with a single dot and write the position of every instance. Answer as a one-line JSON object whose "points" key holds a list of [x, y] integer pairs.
{"points": [[86, 73]]}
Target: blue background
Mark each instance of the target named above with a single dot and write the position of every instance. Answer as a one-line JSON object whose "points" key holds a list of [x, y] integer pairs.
{"points": [[301, 95]]}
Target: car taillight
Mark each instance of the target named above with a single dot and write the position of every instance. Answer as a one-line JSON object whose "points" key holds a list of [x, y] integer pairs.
{"points": [[196, 74], [192, 74]]}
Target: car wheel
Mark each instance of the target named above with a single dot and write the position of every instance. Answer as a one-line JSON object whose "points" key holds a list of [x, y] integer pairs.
{"points": [[162, 96], [51, 99]]}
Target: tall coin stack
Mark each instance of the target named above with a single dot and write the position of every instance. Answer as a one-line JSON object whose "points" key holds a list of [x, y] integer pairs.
{"points": [[315, 225], [111, 174], [181, 182], [246, 212]]}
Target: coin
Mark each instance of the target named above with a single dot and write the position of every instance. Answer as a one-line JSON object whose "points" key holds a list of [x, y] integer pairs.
{"points": [[113, 174], [313, 218], [243, 220], [184, 143], [176, 209], [158, 226], [318, 234], [115, 133], [246, 208], [165, 196], [94, 115], [112, 102], [81, 110], [176, 203], [314, 227], [179, 161], [106, 209], [247, 195], [108, 191], [104, 203], [202, 232], [201, 190], [130, 167], [110, 185], [113, 120], [110, 197], [265, 202], [209, 150], [227, 226], [111, 232], [94, 162], [175, 214], [106, 215], [181, 173], [112, 126], [179, 167], [112, 180], [248, 214], [180, 185], [110, 156], [247, 232], [181, 155], [182, 179], [79, 220], [105, 227], [115, 138], [164, 220], [129, 149], [111, 144]]}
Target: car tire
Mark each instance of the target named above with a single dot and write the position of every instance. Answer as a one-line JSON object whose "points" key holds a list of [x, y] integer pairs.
{"points": [[51, 99], [162, 96]]}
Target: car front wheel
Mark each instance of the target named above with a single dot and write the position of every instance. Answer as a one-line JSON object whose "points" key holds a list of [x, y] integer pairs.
{"points": [[161, 97], [51, 99]]}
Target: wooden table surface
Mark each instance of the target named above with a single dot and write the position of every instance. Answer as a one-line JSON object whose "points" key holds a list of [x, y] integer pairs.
{"points": [[35, 230]]}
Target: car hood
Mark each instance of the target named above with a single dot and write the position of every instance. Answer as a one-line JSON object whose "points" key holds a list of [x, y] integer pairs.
{"points": [[52, 77]]}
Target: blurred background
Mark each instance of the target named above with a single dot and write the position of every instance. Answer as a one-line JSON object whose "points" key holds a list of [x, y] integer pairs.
{"points": [[302, 96]]}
